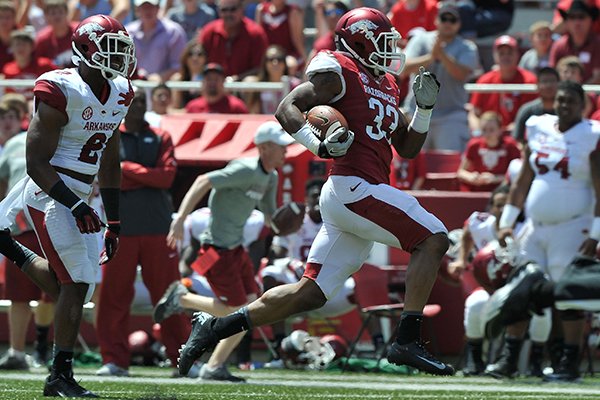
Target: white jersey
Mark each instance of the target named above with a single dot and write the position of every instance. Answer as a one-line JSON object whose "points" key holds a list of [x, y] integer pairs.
{"points": [[482, 226], [91, 122], [562, 188], [298, 243], [197, 222]]}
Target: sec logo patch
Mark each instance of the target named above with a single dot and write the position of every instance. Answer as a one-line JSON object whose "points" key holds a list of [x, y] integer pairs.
{"points": [[87, 113]]}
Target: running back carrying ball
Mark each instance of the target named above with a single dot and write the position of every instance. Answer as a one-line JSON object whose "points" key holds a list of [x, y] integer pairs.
{"points": [[288, 218], [324, 120]]}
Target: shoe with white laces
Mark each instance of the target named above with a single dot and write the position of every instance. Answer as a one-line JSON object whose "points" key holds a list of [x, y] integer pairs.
{"points": [[13, 361], [415, 355], [218, 374], [202, 339], [112, 369], [169, 303], [65, 386]]}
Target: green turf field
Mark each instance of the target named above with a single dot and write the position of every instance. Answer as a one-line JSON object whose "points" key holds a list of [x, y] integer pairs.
{"points": [[155, 384]]}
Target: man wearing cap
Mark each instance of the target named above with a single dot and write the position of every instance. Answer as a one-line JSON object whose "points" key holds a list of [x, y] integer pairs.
{"points": [[26, 65], [506, 57], [8, 23], [452, 59], [159, 42], [234, 192], [214, 98], [579, 40]]}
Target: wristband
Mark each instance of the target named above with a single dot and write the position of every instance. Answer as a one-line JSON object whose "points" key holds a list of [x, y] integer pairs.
{"points": [[65, 196], [307, 138], [595, 231], [510, 213], [420, 120], [110, 200]]}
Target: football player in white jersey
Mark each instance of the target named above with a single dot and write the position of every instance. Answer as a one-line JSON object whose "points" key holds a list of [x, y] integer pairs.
{"points": [[73, 137], [558, 187]]}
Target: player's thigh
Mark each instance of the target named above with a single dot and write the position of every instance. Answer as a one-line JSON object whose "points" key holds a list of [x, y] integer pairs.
{"points": [[379, 213], [564, 241], [334, 256], [532, 245]]}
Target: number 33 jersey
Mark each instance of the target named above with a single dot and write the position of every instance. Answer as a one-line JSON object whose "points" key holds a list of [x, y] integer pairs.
{"points": [[562, 187], [91, 121], [371, 107]]}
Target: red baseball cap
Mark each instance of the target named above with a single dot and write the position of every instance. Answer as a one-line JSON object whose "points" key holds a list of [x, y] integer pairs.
{"points": [[506, 40]]}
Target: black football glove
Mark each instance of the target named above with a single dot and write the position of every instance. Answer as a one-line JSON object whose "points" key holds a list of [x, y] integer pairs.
{"points": [[111, 242], [87, 219]]}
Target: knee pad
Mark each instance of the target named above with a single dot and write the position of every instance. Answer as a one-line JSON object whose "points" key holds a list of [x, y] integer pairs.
{"points": [[540, 326], [571, 315]]}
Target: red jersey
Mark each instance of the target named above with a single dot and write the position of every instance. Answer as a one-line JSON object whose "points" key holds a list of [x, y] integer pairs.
{"points": [[588, 54], [506, 104], [36, 67], [404, 20], [227, 105], [371, 107], [58, 49], [239, 54], [277, 27], [489, 159]]}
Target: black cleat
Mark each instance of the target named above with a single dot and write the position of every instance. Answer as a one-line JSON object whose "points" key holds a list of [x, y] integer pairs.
{"points": [[63, 386], [512, 303], [415, 355], [568, 367], [202, 339], [502, 369]]}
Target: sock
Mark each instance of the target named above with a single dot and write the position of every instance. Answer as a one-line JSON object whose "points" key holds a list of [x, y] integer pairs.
{"points": [[41, 340], [475, 351], [15, 251], [16, 353], [377, 340], [536, 353], [231, 324], [542, 294], [62, 363], [513, 348], [409, 328]]}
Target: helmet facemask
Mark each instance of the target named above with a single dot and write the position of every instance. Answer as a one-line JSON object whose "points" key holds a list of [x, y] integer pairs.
{"points": [[115, 55]]}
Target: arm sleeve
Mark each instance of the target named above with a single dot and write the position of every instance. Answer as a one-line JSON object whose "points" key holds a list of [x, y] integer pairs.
{"points": [[160, 176]]}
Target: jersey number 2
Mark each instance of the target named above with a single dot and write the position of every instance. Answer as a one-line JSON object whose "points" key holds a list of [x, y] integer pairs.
{"points": [[89, 151], [378, 132]]}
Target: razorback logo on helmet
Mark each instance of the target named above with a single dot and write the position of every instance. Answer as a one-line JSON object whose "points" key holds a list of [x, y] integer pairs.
{"points": [[364, 26], [89, 29]]}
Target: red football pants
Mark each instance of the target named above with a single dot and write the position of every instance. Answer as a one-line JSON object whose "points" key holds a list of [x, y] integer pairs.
{"points": [[159, 268]]}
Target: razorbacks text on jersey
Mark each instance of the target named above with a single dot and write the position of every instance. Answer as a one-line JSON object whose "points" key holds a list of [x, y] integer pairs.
{"points": [[561, 189], [91, 121], [370, 155]]}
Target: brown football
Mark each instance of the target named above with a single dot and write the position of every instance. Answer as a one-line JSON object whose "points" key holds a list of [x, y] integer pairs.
{"points": [[323, 120], [288, 218]]}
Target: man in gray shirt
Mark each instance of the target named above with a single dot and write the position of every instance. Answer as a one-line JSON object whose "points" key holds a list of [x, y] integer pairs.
{"points": [[192, 15], [452, 59], [236, 190]]}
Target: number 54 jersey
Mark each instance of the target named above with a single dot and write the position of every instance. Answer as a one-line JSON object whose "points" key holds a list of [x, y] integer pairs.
{"points": [[371, 107], [562, 186], [91, 121]]}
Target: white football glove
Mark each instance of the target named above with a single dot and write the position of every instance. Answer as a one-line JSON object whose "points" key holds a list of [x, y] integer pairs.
{"points": [[331, 147], [425, 88]]}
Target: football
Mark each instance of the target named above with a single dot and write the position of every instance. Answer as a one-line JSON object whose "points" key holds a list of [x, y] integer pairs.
{"points": [[288, 218], [323, 120]]}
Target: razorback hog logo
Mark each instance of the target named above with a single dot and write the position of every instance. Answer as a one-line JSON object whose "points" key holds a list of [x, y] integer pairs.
{"points": [[364, 26], [90, 29]]}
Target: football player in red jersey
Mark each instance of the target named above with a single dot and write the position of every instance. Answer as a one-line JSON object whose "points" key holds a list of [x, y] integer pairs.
{"points": [[358, 205], [73, 137]]}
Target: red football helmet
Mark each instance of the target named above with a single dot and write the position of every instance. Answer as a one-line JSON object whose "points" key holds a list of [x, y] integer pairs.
{"points": [[102, 42], [492, 265], [368, 35], [337, 343]]}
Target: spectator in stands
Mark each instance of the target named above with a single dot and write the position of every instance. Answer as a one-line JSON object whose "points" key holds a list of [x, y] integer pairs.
{"points": [[234, 41], [118, 9], [570, 68], [192, 63], [538, 56], [159, 42], [408, 14], [547, 81], [452, 59], [214, 97], [327, 15], [483, 18], [20, 102], [579, 40], [409, 173], [148, 170], [273, 69], [19, 289], [8, 23], [192, 15], [558, 21], [31, 12], [10, 123], [506, 56], [160, 104], [487, 156], [54, 41], [26, 65], [284, 26]]}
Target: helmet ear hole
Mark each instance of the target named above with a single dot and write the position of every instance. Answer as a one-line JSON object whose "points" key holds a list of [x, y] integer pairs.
{"points": [[85, 48]]}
